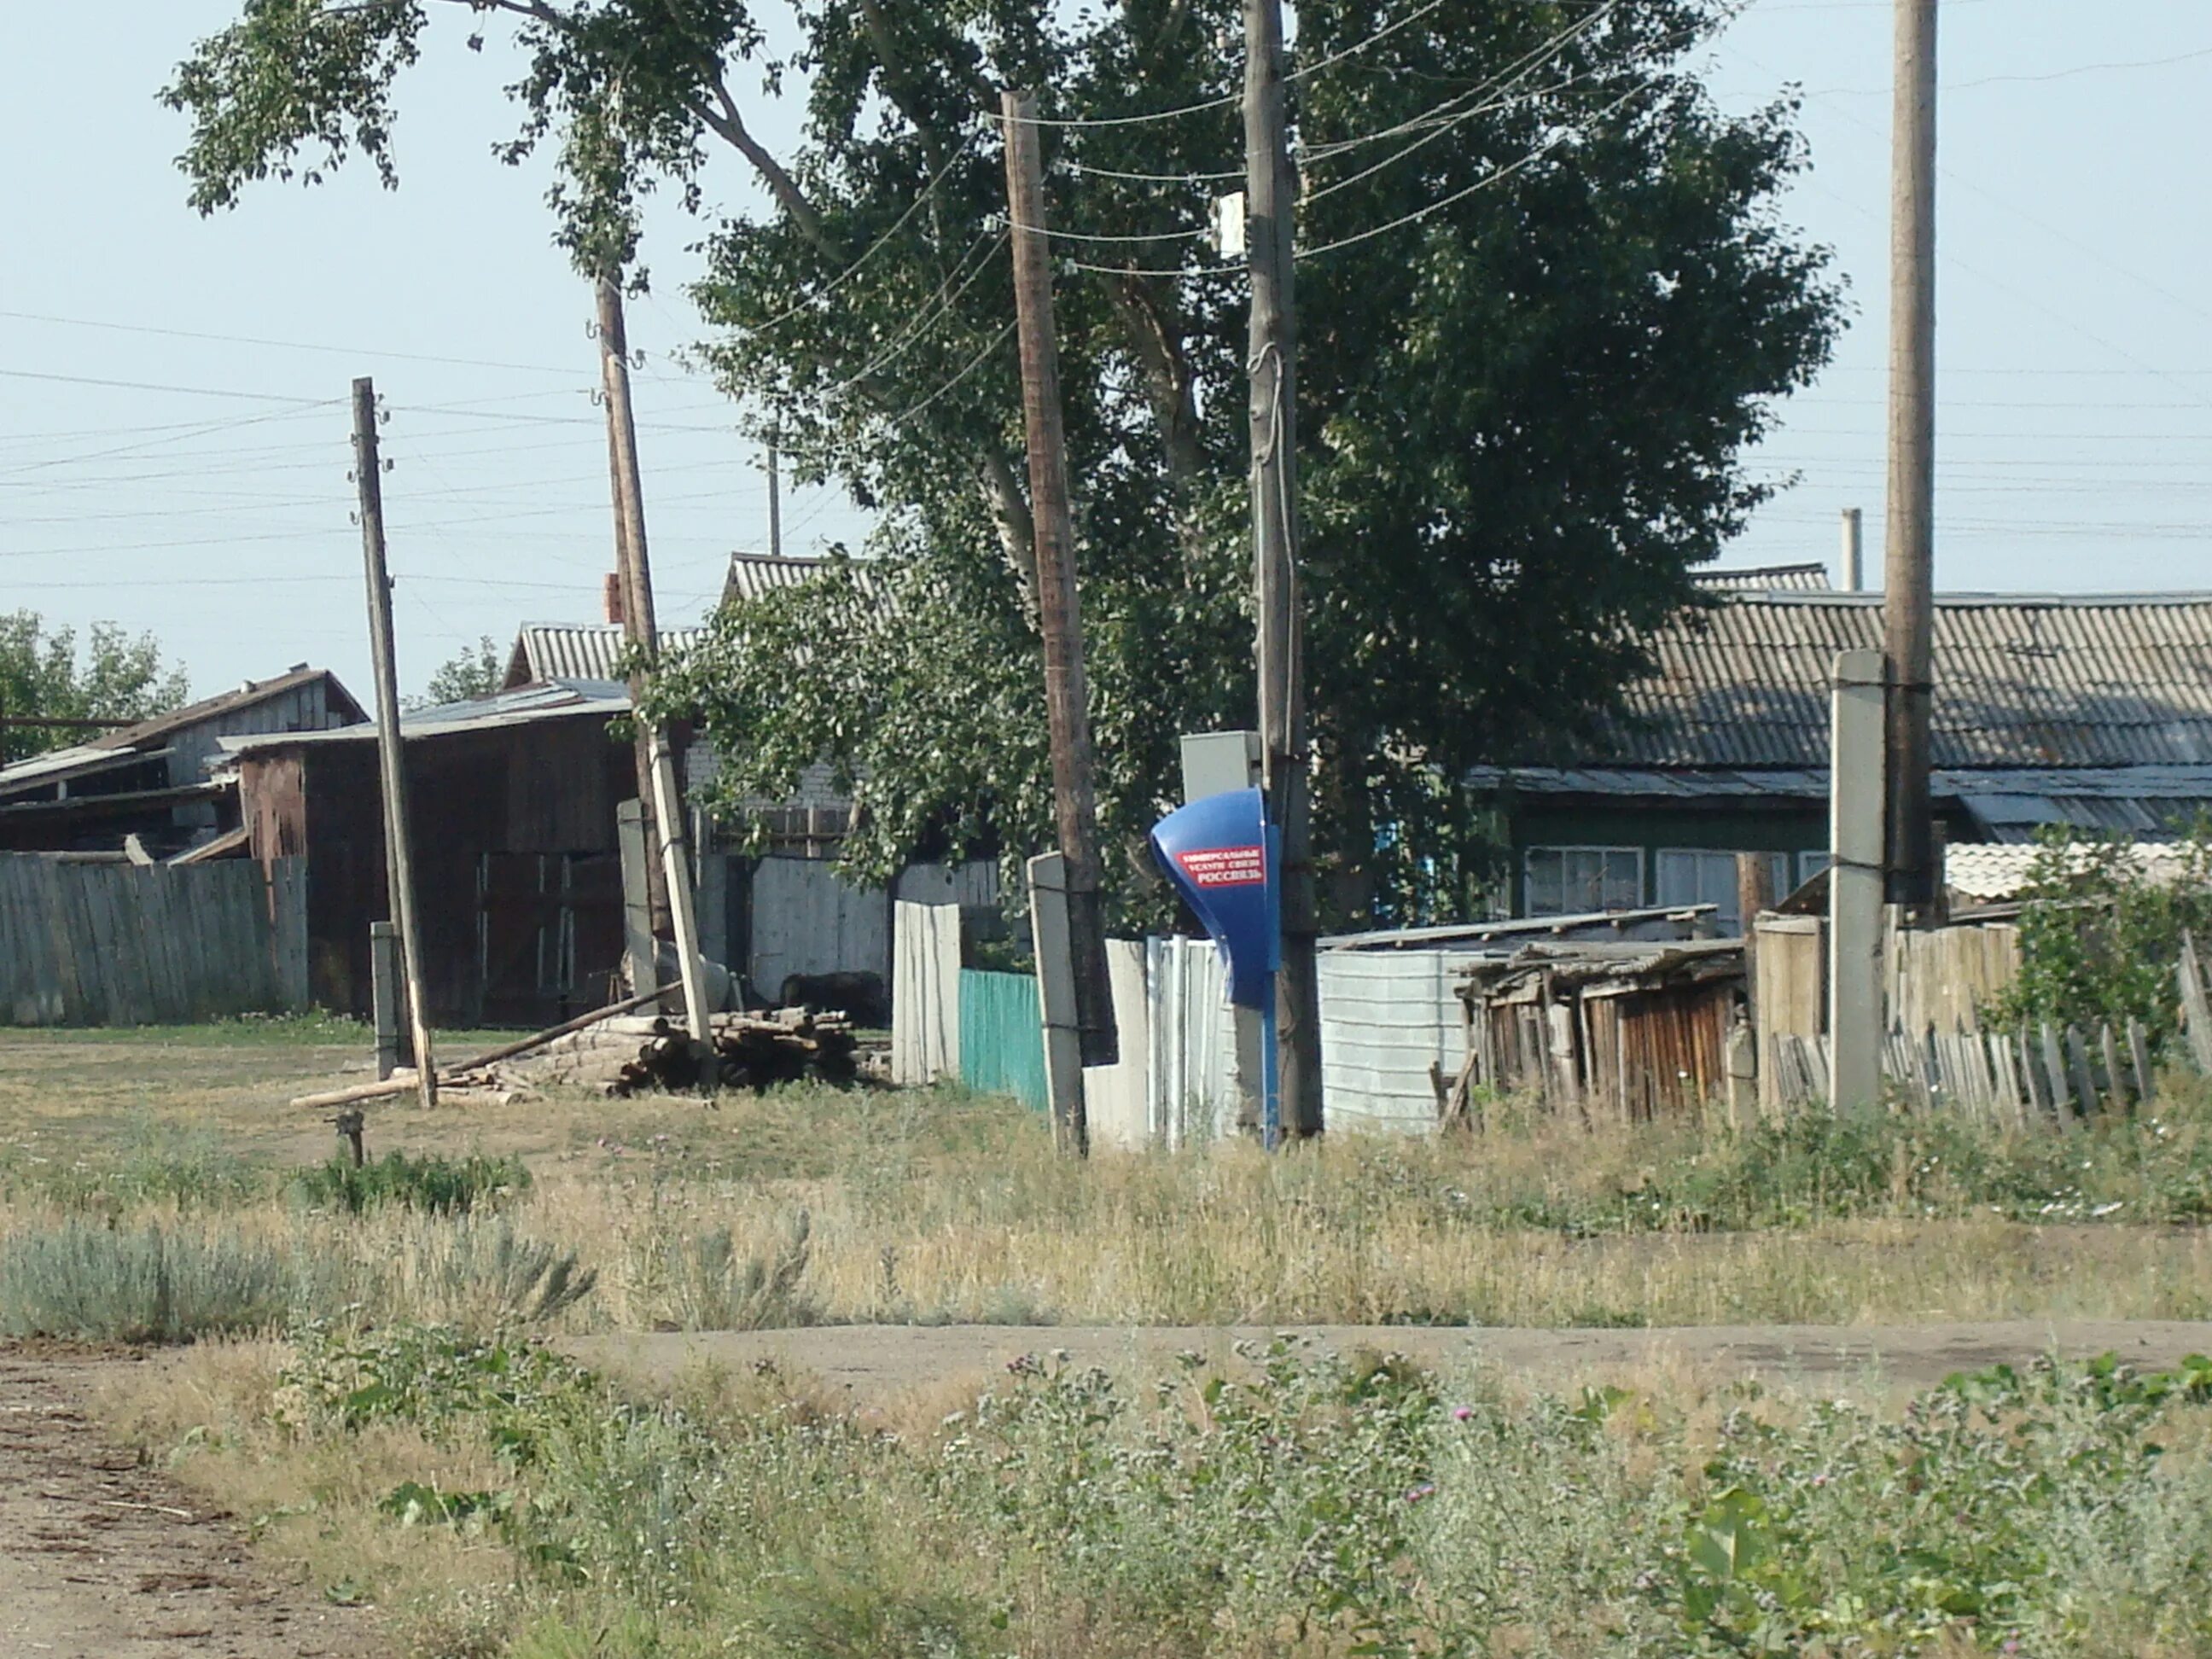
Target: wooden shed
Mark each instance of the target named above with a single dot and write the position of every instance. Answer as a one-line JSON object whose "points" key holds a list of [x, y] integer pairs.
{"points": [[512, 808], [1619, 1032]]}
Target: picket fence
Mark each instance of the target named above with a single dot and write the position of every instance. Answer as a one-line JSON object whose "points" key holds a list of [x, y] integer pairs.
{"points": [[2013, 1078]]}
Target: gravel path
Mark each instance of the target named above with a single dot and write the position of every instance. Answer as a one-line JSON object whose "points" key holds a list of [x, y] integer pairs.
{"points": [[877, 1363], [102, 1558]]}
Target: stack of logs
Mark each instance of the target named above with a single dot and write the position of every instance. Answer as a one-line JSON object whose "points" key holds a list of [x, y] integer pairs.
{"points": [[625, 1056], [619, 1052]]}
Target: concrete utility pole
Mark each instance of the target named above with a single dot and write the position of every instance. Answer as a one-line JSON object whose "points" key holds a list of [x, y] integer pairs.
{"points": [[1909, 581], [1060, 613], [391, 748], [1854, 550], [659, 786], [1271, 193]]}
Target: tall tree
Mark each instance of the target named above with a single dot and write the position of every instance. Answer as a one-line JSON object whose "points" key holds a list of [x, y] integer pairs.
{"points": [[43, 674], [475, 670], [1545, 302]]}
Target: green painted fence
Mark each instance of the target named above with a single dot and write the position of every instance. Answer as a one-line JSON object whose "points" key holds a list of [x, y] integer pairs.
{"points": [[1002, 1036]]}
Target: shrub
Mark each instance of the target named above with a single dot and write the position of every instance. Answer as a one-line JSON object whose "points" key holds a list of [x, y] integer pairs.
{"points": [[2101, 934], [706, 1283], [150, 1286], [434, 1185]]}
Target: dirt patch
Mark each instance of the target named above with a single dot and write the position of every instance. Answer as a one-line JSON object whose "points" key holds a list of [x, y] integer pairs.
{"points": [[876, 1363], [102, 1557]]}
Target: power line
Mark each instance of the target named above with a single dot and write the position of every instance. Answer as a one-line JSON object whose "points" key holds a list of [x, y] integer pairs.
{"points": [[1228, 98], [284, 346], [182, 390], [1493, 177]]}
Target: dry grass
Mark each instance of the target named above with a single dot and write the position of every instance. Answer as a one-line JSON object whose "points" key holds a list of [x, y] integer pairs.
{"points": [[937, 1207]]}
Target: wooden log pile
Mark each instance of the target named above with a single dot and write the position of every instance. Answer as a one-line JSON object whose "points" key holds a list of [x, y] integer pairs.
{"points": [[633, 1055]]}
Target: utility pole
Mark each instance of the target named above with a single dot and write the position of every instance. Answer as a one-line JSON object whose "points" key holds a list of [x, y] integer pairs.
{"points": [[660, 785], [1060, 612], [1908, 580], [638, 630], [391, 748], [774, 494], [1270, 196], [1854, 551]]}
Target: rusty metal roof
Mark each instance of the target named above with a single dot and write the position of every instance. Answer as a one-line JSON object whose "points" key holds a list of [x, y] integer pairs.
{"points": [[2020, 681]]}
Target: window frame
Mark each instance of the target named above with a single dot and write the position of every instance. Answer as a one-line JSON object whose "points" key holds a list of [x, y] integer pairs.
{"points": [[1636, 854]]}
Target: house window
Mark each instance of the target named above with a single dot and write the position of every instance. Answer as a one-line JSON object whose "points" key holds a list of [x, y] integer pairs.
{"points": [[1693, 876], [1566, 881]]}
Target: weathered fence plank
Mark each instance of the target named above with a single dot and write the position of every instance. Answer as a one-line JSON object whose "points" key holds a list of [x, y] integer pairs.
{"points": [[98, 943]]}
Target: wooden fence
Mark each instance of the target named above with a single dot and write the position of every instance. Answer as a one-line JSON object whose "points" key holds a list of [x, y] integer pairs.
{"points": [[2021, 1078], [107, 944]]}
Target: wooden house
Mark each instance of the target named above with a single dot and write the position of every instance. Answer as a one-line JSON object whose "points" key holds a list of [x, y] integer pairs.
{"points": [[2093, 710]]}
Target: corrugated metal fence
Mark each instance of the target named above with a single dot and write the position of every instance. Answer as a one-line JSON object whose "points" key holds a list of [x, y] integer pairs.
{"points": [[1001, 1036], [1386, 1018], [87, 943]]}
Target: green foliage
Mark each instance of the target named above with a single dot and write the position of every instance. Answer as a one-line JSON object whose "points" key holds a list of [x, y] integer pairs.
{"points": [[1305, 1504], [476, 671], [432, 1184], [42, 673], [1606, 324], [153, 1285], [2103, 927], [1523, 397]]}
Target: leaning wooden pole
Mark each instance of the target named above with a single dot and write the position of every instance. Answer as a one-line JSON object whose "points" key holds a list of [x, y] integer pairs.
{"points": [[637, 585], [390, 745], [1059, 609]]}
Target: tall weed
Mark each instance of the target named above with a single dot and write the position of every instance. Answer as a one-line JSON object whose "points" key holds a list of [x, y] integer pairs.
{"points": [[1300, 1505]]}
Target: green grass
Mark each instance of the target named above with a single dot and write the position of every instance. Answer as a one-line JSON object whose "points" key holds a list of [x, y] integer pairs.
{"points": [[1298, 1505], [434, 1185], [315, 1028]]}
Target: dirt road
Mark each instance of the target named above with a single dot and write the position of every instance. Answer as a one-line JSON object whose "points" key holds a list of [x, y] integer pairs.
{"points": [[100, 1558], [876, 1363]]}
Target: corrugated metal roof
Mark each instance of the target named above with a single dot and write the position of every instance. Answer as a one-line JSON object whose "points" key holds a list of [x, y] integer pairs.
{"points": [[1670, 921], [553, 651], [1766, 578], [752, 575], [2008, 803], [2057, 680], [559, 699], [1995, 870], [566, 651]]}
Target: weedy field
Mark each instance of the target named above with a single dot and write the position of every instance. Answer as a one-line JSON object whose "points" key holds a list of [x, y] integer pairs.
{"points": [[368, 1383]]}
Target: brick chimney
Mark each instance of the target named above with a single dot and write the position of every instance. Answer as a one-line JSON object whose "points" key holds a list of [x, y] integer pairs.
{"points": [[611, 596]]}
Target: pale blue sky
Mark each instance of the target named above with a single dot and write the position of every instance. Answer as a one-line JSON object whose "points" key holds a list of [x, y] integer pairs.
{"points": [[2075, 341]]}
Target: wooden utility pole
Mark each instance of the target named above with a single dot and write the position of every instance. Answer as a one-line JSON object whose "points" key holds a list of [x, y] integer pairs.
{"points": [[638, 630], [391, 748], [775, 494], [1909, 563], [1060, 613], [659, 786], [1271, 194]]}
